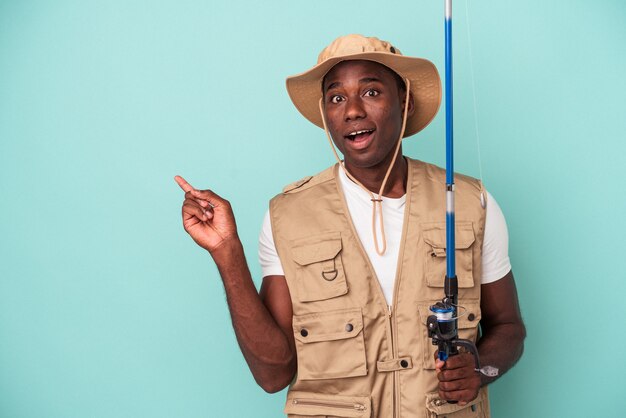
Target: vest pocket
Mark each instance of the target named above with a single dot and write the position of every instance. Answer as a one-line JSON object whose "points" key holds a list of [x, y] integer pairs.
{"points": [[467, 327], [435, 266], [330, 344], [478, 408], [309, 404], [319, 270]]}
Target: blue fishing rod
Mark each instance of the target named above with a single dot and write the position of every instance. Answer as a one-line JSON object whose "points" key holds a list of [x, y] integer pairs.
{"points": [[443, 323]]}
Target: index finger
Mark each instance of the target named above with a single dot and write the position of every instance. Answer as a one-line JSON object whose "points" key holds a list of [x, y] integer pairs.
{"points": [[183, 184]]}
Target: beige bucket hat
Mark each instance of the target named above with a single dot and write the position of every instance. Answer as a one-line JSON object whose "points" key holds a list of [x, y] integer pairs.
{"points": [[305, 90]]}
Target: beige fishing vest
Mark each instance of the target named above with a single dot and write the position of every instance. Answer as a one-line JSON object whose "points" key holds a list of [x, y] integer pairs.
{"points": [[356, 356]]}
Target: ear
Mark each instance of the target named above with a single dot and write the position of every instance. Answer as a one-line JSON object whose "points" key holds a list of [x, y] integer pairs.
{"points": [[411, 107]]}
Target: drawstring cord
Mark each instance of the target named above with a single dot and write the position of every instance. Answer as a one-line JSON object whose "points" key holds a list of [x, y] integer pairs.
{"points": [[377, 201]]}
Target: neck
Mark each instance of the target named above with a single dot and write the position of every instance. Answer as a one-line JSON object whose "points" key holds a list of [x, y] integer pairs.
{"points": [[372, 177]]}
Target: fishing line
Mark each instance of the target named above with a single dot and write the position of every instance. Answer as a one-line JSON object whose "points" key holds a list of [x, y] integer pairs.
{"points": [[471, 60]]}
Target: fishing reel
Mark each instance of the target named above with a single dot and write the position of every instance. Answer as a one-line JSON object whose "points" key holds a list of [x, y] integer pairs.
{"points": [[443, 329]]}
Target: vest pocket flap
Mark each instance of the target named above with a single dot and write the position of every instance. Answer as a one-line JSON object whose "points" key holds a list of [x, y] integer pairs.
{"points": [[435, 235], [328, 326], [469, 317], [441, 408], [330, 345], [318, 269], [468, 314], [318, 404], [316, 249]]}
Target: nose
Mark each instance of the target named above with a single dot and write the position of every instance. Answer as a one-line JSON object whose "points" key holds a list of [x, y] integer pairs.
{"points": [[354, 109]]}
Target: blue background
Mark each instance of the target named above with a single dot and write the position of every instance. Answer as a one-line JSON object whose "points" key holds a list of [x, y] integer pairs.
{"points": [[108, 309]]}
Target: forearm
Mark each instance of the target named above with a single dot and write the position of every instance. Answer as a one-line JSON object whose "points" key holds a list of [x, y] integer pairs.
{"points": [[263, 344], [501, 346]]}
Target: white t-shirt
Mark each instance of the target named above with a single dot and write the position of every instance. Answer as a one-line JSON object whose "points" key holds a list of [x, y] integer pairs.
{"points": [[495, 254]]}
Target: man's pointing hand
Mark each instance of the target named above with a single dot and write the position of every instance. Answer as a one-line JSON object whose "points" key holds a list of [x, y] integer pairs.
{"points": [[207, 217]]}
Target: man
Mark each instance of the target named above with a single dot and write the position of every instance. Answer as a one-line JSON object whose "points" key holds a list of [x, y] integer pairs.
{"points": [[354, 256]]}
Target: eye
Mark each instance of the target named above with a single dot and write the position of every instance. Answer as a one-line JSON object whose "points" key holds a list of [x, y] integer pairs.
{"points": [[336, 99], [372, 93]]}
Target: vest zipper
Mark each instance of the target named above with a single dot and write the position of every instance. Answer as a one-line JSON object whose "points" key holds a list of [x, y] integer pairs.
{"points": [[330, 404], [396, 287], [393, 352]]}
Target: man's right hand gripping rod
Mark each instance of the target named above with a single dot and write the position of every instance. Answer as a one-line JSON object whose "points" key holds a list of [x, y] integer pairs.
{"points": [[443, 328]]}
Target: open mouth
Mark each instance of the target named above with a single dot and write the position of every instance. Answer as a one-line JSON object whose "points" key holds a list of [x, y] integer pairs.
{"points": [[359, 135]]}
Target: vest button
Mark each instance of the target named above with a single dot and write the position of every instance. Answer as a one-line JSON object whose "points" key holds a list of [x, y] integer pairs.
{"points": [[471, 317], [404, 364], [349, 327], [304, 332]]}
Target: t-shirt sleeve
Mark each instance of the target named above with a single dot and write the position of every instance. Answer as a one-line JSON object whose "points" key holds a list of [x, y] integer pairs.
{"points": [[495, 258], [268, 256]]}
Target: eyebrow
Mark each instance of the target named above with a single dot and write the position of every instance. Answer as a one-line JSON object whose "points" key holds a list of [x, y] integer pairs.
{"points": [[361, 81]]}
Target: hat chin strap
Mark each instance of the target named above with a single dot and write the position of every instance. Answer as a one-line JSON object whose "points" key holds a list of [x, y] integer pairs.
{"points": [[377, 201]]}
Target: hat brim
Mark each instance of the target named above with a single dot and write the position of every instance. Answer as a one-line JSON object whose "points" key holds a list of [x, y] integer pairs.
{"points": [[305, 90]]}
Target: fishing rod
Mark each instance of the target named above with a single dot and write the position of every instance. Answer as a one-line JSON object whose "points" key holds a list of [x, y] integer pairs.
{"points": [[443, 323]]}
